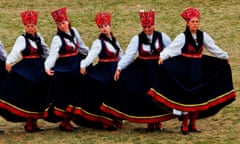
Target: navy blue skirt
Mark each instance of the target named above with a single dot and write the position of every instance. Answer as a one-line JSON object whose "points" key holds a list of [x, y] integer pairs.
{"points": [[97, 86], [131, 101], [194, 84], [24, 93], [65, 86]]}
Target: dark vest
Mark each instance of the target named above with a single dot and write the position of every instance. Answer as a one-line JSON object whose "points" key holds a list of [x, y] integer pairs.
{"points": [[144, 40], [105, 53], [66, 49], [191, 46], [29, 50]]}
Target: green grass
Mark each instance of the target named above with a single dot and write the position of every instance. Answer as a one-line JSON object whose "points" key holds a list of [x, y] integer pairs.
{"points": [[219, 18]]}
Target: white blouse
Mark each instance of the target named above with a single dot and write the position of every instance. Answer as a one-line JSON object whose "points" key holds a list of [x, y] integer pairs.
{"points": [[175, 47], [20, 45], [132, 49], [95, 51], [56, 44]]}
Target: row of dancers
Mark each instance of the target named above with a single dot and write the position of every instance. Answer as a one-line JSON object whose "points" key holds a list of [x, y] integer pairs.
{"points": [[154, 80]]}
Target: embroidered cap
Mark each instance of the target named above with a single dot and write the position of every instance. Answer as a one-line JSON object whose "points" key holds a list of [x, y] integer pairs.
{"points": [[60, 15], [147, 17], [189, 13], [103, 18], [29, 17]]}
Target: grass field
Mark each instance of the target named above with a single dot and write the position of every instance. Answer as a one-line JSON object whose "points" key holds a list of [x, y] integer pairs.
{"points": [[220, 18]]}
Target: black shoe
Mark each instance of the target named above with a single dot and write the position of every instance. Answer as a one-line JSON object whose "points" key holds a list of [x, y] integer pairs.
{"points": [[36, 128], [75, 128], [118, 123], [191, 129], [66, 128], [110, 128], [28, 129], [184, 131], [150, 127], [158, 127], [39, 129], [1, 131]]}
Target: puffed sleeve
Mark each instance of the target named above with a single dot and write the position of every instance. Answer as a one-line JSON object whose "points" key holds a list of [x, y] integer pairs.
{"points": [[92, 55], [174, 48], [166, 39], [213, 48], [15, 53], [53, 53], [130, 53], [81, 45]]}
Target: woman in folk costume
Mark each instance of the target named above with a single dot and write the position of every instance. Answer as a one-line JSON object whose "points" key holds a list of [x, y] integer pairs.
{"points": [[132, 102], [66, 51], [24, 94], [3, 56], [193, 84], [98, 78]]}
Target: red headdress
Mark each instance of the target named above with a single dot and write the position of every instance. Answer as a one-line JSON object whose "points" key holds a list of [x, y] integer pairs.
{"points": [[147, 17], [103, 18], [29, 17], [60, 15], [189, 13]]}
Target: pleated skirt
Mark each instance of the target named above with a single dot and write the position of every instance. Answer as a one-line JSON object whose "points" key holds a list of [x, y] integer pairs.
{"points": [[194, 84]]}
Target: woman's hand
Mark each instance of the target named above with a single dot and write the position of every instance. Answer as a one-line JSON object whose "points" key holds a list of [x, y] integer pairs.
{"points": [[8, 67], [50, 72], [228, 61], [116, 75], [83, 71], [160, 61]]}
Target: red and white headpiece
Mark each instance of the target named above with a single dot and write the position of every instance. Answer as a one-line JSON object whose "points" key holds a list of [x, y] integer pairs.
{"points": [[29, 17], [60, 15], [189, 13], [103, 18], [147, 17]]}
